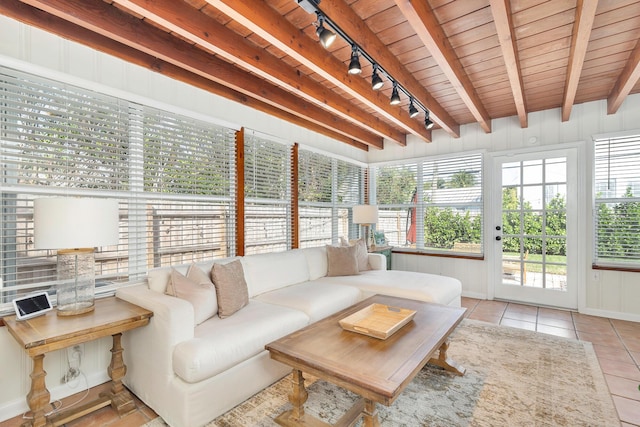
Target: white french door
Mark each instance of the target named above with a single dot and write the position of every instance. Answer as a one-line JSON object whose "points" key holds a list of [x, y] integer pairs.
{"points": [[535, 228]]}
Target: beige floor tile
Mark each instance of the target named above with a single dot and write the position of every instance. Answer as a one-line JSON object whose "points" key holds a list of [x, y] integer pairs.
{"points": [[520, 324], [628, 410], [620, 369], [613, 353], [559, 332]]}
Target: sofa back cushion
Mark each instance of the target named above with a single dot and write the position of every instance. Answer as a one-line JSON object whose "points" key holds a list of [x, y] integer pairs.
{"points": [[266, 272], [317, 261]]}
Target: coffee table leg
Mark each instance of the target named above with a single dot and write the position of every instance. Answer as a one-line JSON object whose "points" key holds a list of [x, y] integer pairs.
{"points": [[370, 414], [296, 417], [298, 395], [38, 396], [446, 363]]}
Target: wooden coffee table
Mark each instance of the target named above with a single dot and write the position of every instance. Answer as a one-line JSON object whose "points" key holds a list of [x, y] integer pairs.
{"points": [[377, 370]]}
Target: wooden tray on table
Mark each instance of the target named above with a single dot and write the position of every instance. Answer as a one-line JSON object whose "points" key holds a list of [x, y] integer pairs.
{"points": [[377, 320]]}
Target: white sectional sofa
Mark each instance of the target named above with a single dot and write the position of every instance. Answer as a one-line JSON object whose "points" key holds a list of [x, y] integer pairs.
{"points": [[189, 373]]}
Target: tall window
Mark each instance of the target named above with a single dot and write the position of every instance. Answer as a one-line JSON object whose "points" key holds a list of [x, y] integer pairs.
{"points": [[617, 201], [432, 204], [328, 187], [170, 174], [267, 177]]}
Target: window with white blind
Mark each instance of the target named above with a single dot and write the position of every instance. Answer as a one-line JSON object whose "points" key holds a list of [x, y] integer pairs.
{"points": [[617, 201], [432, 204], [327, 189], [396, 187], [267, 184], [171, 176]]}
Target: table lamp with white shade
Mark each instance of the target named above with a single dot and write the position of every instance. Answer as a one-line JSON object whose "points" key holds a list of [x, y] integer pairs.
{"points": [[75, 226], [366, 215]]}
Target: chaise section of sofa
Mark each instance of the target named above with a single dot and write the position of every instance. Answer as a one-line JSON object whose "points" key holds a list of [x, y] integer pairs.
{"points": [[190, 373]]}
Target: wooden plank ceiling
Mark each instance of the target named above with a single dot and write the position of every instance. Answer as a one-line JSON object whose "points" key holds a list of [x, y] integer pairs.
{"points": [[466, 61]]}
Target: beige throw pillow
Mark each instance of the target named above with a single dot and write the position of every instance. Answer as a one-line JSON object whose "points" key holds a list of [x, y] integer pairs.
{"points": [[231, 288], [196, 288], [342, 261]]}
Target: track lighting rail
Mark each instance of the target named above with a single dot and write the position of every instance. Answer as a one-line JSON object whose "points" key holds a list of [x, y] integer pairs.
{"points": [[326, 37]]}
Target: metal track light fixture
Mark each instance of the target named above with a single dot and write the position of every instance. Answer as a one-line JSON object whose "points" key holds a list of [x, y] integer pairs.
{"points": [[376, 80], [428, 124], [413, 111], [395, 97], [354, 64], [327, 36]]}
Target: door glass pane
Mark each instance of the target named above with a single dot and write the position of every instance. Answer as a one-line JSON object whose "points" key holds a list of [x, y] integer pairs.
{"points": [[532, 172], [556, 170], [555, 196], [510, 174], [532, 197]]}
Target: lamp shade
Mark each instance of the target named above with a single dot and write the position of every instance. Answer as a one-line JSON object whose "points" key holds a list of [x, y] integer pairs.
{"points": [[74, 222], [365, 214]]}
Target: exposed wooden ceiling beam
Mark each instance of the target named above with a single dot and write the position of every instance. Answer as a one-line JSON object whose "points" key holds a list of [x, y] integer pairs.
{"points": [[260, 18], [424, 23], [205, 31], [627, 80], [344, 16], [585, 14], [110, 22], [501, 10]]}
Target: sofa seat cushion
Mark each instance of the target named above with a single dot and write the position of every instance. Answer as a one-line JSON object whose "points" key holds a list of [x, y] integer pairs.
{"points": [[220, 344], [316, 300], [403, 284]]}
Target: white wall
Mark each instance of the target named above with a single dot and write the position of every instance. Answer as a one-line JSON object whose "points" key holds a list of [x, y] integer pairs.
{"points": [[614, 293], [33, 50]]}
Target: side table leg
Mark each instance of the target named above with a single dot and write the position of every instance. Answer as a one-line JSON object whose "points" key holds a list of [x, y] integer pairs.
{"points": [[121, 399], [38, 396], [446, 363]]}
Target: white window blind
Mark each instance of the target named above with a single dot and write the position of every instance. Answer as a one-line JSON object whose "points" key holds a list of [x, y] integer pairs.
{"points": [[452, 198], [57, 140], [171, 176], [315, 189], [617, 201], [189, 187], [432, 204], [328, 187], [267, 174], [396, 187]]}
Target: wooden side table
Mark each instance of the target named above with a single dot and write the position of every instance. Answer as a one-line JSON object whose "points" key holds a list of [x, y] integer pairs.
{"points": [[40, 335]]}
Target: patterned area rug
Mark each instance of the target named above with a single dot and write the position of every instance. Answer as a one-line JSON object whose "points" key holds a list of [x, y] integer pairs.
{"points": [[514, 378]]}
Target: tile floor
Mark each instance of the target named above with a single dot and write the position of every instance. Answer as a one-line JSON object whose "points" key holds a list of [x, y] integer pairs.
{"points": [[616, 342]]}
